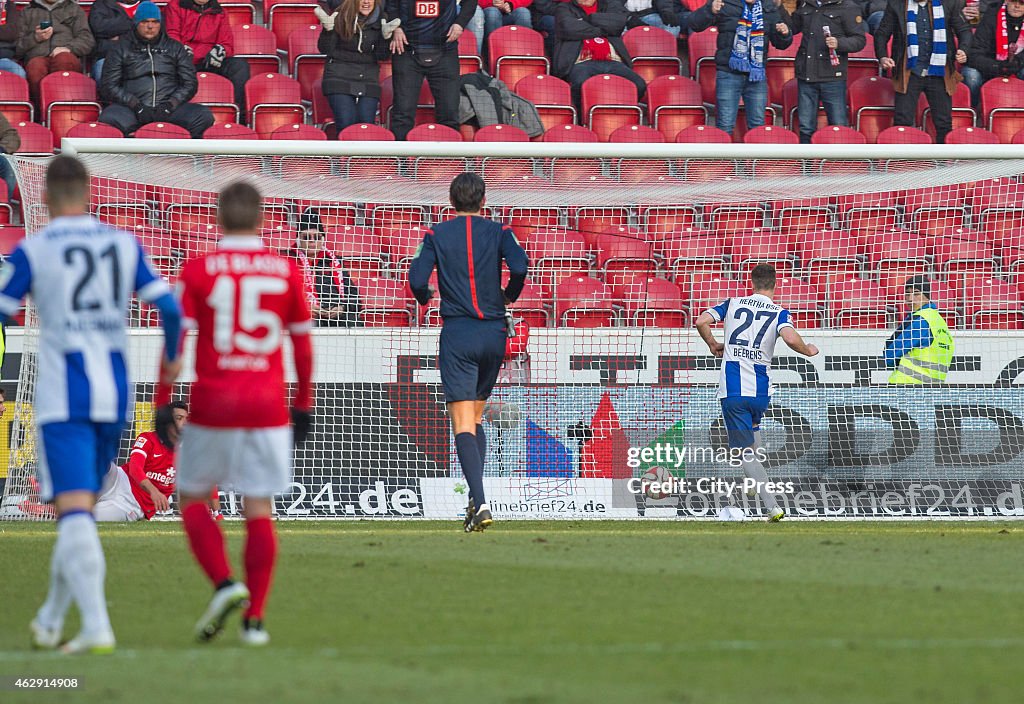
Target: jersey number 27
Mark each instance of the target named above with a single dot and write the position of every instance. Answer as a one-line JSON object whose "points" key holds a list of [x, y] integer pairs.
{"points": [[749, 317]]}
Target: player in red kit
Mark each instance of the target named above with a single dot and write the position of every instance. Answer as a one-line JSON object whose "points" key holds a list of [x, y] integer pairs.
{"points": [[242, 299], [145, 483]]}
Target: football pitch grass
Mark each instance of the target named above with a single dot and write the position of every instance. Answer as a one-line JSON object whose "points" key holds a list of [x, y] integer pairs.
{"points": [[528, 613]]}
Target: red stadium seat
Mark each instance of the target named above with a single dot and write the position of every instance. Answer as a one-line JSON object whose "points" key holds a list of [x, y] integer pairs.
{"points": [[703, 134], [433, 133], [621, 254], [258, 46], [432, 169], [500, 133], [15, 104], [285, 16], [384, 302], [584, 302], [691, 252], [673, 104], [162, 130], [1002, 107], [961, 255], [654, 302], [903, 135], [837, 134], [196, 220], [896, 256], [761, 246], [570, 133], [803, 299], [871, 104], [963, 114], [731, 218], [770, 134], [701, 47], [551, 96], [516, 52], [299, 132], [216, 93], [709, 291], [798, 215], [971, 135], [397, 226], [993, 304], [642, 171], [94, 130], [661, 222], [867, 213], [273, 100], [861, 64], [424, 103], [826, 255], [239, 13], [608, 102], [508, 172], [10, 237], [1012, 254], [469, 55], [229, 130], [123, 204], [532, 306], [780, 68], [366, 132], [67, 98], [35, 139], [636, 134], [653, 51], [556, 255], [357, 248], [305, 60], [858, 303], [526, 221], [931, 211]]}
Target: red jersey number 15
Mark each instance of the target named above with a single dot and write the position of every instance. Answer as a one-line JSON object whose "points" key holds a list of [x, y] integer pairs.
{"points": [[241, 333]]}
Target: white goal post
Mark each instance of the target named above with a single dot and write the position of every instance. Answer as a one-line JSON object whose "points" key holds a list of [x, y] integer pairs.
{"points": [[628, 244]]}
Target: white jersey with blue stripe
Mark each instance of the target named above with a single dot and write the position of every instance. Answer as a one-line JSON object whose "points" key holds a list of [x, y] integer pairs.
{"points": [[81, 274], [752, 325]]}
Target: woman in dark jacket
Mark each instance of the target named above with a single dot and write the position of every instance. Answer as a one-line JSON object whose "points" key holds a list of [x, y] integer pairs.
{"points": [[353, 47]]}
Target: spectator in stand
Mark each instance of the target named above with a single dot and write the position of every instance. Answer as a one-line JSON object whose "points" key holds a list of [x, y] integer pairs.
{"points": [[9, 13], [426, 46], [873, 11], [10, 140], [543, 12], [149, 77], [501, 13], [110, 22], [203, 27], [832, 29], [354, 39], [333, 299], [997, 48], [663, 14], [588, 42], [476, 26], [52, 36], [743, 26], [928, 42]]}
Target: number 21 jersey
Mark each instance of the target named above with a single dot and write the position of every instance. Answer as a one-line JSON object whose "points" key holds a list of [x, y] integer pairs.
{"points": [[752, 325], [242, 298]]}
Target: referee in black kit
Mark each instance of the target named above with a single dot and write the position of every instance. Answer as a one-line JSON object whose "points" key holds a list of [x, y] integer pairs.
{"points": [[468, 251]]}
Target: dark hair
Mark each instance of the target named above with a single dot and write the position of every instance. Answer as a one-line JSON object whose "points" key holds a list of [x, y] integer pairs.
{"points": [[467, 192], [310, 219], [919, 283], [763, 277], [66, 180], [179, 406], [348, 15], [239, 207]]}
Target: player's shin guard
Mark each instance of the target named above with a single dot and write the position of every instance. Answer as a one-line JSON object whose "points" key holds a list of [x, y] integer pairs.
{"points": [[481, 443], [754, 470], [472, 466], [84, 569], [206, 541], [260, 555]]}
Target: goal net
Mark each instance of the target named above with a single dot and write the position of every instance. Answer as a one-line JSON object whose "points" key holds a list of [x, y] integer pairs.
{"points": [[608, 393]]}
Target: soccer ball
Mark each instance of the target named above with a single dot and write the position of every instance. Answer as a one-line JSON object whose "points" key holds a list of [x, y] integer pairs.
{"points": [[656, 476], [503, 415]]}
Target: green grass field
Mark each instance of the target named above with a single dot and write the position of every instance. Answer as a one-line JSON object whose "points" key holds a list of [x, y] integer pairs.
{"points": [[529, 613]]}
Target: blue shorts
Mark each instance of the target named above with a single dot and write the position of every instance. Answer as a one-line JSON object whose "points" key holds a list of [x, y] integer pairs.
{"points": [[742, 415], [470, 357], [75, 456]]}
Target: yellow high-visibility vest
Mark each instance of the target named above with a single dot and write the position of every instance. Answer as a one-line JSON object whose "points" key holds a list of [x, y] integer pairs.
{"points": [[927, 365]]}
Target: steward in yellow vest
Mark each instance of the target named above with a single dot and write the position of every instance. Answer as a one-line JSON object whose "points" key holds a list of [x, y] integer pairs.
{"points": [[921, 349]]}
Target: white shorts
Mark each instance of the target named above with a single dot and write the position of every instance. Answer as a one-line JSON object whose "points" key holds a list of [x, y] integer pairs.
{"points": [[254, 462], [116, 501]]}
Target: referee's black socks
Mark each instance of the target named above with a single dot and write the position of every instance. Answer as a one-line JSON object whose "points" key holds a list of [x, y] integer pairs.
{"points": [[468, 446], [481, 444]]}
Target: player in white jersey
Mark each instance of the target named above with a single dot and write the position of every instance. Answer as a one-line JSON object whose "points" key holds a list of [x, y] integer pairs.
{"points": [[81, 275], [753, 324]]}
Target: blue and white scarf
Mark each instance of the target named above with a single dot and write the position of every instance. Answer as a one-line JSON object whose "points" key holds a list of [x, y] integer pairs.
{"points": [[937, 64], [748, 46]]}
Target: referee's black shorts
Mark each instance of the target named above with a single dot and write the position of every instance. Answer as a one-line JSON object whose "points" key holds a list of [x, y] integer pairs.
{"points": [[470, 357]]}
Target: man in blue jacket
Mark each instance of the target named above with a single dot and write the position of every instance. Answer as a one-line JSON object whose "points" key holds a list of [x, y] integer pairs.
{"points": [[467, 252]]}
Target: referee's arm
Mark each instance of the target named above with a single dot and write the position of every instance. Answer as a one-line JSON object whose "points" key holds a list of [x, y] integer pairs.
{"points": [[518, 264], [422, 266]]}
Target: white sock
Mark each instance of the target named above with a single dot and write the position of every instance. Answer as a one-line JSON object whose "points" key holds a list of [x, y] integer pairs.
{"points": [[84, 569], [484, 507], [51, 614], [757, 439], [754, 470]]}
